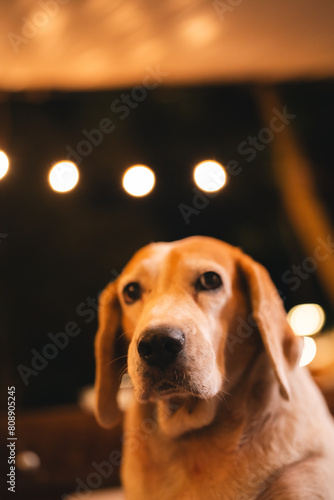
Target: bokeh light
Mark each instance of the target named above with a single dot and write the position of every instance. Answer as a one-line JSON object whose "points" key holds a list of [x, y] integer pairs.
{"points": [[63, 176], [4, 164], [306, 319], [210, 176], [309, 351], [138, 180], [28, 460]]}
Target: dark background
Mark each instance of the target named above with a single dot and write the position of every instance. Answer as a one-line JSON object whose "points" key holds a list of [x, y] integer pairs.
{"points": [[62, 249]]}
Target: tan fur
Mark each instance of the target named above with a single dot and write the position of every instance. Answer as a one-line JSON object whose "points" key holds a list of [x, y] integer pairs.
{"points": [[245, 422]]}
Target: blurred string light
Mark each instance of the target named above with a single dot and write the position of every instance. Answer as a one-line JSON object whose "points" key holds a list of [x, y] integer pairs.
{"points": [[63, 176], [210, 176], [138, 180], [306, 319], [309, 351], [4, 164]]}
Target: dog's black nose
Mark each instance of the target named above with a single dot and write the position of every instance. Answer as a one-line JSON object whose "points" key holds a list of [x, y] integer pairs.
{"points": [[160, 347]]}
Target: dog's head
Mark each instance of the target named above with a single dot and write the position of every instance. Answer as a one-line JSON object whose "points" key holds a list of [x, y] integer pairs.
{"points": [[187, 309]]}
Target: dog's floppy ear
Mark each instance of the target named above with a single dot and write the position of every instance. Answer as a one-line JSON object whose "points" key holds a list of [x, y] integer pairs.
{"points": [[281, 345], [107, 353]]}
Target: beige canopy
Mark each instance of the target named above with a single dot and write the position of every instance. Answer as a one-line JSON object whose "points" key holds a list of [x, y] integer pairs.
{"points": [[86, 44]]}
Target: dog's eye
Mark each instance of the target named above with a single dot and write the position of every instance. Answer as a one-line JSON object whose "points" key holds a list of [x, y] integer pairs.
{"points": [[131, 292], [209, 281]]}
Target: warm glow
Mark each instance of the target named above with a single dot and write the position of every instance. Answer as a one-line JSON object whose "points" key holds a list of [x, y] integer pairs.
{"points": [[28, 460], [4, 164], [63, 176], [200, 30], [306, 319], [138, 180], [210, 176], [309, 351]]}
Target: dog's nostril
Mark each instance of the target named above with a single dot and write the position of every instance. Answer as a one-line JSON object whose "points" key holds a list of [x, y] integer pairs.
{"points": [[173, 346], [161, 347], [144, 349]]}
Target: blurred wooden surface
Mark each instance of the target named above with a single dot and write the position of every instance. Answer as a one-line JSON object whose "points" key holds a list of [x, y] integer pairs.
{"points": [[71, 447]]}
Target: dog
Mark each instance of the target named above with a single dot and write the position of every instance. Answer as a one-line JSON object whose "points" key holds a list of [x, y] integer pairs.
{"points": [[221, 408]]}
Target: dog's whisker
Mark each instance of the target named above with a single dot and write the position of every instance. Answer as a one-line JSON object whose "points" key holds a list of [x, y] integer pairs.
{"points": [[123, 334], [123, 372], [116, 359]]}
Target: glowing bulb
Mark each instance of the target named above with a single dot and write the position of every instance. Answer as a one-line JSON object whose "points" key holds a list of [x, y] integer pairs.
{"points": [[4, 164], [138, 180], [306, 319], [309, 351], [210, 176], [63, 176]]}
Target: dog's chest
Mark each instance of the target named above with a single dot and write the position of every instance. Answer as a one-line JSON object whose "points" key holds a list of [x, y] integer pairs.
{"points": [[186, 469]]}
